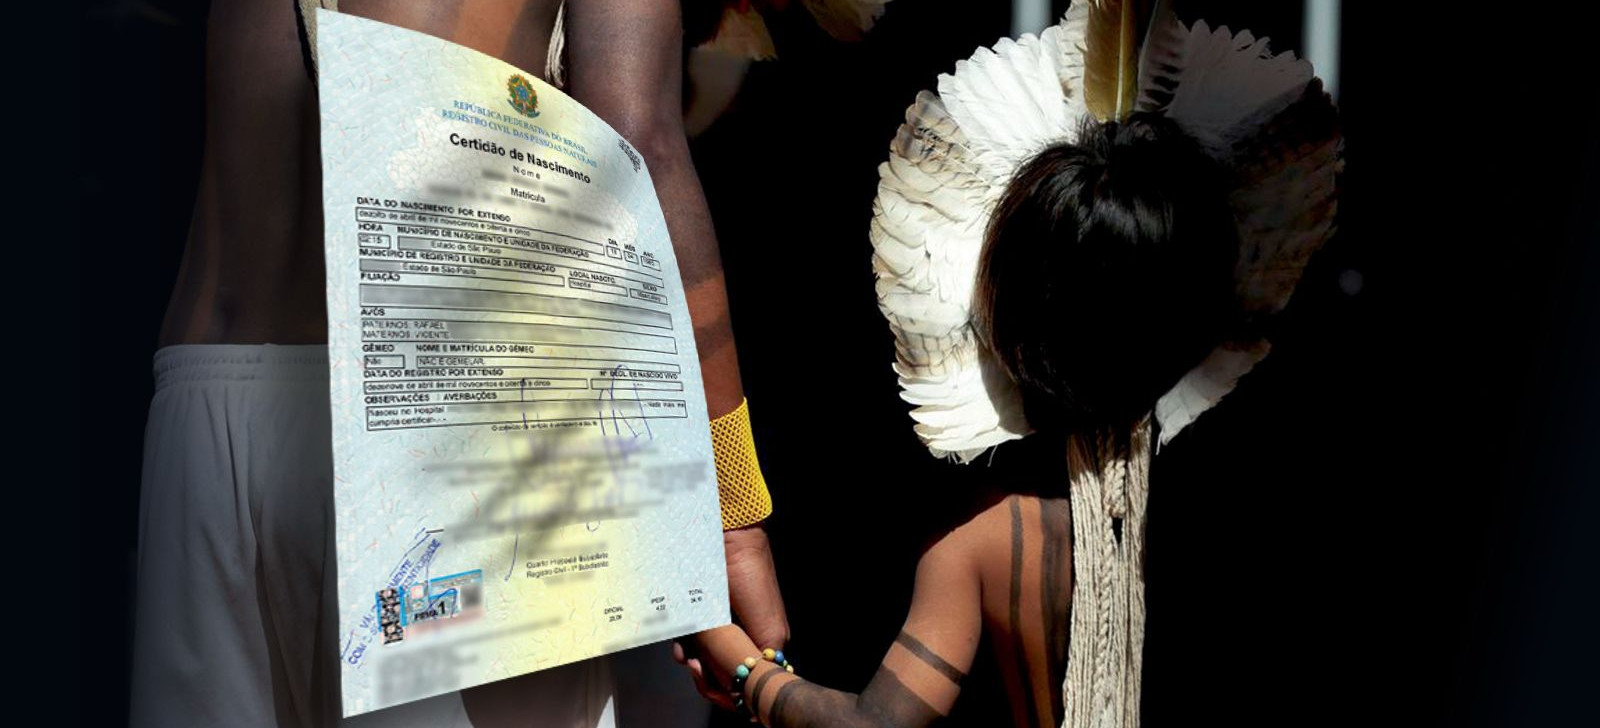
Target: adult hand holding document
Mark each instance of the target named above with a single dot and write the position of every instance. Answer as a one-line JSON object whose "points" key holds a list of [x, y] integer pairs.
{"points": [[523, 467]]}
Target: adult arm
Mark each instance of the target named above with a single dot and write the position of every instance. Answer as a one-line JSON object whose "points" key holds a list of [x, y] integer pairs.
{"points": [[625, 64]]}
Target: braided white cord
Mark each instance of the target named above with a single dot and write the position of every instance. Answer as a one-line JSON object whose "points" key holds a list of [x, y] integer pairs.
{"points": [[1109, 481]]}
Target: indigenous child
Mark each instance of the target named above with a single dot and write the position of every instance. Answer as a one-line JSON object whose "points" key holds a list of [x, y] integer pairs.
{"points": [[1077, 237], [1106, 275]]}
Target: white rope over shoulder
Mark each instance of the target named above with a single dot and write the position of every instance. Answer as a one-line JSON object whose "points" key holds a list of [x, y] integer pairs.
{"points": [[555, 56], [306, 14]]}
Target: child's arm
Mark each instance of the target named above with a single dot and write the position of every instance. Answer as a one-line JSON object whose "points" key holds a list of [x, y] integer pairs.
{"points": [[919, 678]]}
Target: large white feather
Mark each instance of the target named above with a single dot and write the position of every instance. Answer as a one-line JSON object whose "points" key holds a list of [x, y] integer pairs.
{"points": [[1012, 102], [1230, 84], [1268, 120], [927, 232], [1069, 42], [947, 167], [1205, 385], [1286, 197]]}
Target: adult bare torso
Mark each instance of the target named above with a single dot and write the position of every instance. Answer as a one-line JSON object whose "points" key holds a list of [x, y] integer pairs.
{"points": [[252, 268]]}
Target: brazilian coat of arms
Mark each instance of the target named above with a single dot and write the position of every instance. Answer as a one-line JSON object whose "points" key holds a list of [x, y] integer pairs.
{"points": [[523, 98]]}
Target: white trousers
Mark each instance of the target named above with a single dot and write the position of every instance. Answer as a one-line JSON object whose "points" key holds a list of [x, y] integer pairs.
{"points": [[235, 605]]}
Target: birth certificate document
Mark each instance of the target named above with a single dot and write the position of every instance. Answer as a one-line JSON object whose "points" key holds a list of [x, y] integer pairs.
{"points": [[523, 470]]}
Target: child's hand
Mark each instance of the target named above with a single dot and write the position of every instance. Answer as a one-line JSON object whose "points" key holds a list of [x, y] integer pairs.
{"points": [[719, 646]]}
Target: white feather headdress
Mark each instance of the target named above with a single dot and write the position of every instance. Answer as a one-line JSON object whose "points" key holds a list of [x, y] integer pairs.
{"points": [[1263, 116]]}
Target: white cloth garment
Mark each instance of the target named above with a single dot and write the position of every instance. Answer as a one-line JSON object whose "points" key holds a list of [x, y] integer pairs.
{"points": [[235, 603]]}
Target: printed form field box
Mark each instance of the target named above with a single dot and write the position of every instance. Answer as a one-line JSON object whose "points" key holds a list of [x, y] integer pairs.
{"points": [[486, 413], [467, 299], [472, 270], [584, 285], [647, 296], [629, 385]]}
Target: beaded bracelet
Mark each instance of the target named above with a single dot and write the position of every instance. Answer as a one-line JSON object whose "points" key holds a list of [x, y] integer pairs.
{"points": [[743, 670]]}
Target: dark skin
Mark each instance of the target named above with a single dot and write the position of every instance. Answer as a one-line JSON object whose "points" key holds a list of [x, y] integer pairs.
{"points": [[252, 270], [1006, 571]]}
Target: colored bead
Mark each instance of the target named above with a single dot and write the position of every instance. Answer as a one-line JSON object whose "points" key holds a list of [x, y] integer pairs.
{"points": [[768, 653], [790, 668], [750, 662], [777, 656], [741, 672]]}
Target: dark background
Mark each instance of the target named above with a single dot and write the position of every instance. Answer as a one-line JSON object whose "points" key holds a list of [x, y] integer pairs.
{"points": [[1389, 522]]}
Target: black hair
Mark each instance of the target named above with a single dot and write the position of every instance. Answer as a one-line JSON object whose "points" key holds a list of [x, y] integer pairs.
{"points": [[1107, 272]]}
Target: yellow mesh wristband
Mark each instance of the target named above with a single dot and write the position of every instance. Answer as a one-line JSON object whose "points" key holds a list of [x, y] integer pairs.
{"points": [[740, 487]]}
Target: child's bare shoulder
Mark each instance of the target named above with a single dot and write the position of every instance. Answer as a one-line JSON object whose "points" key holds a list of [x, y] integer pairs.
{"points": [[986, 536], [1011, 538]]}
